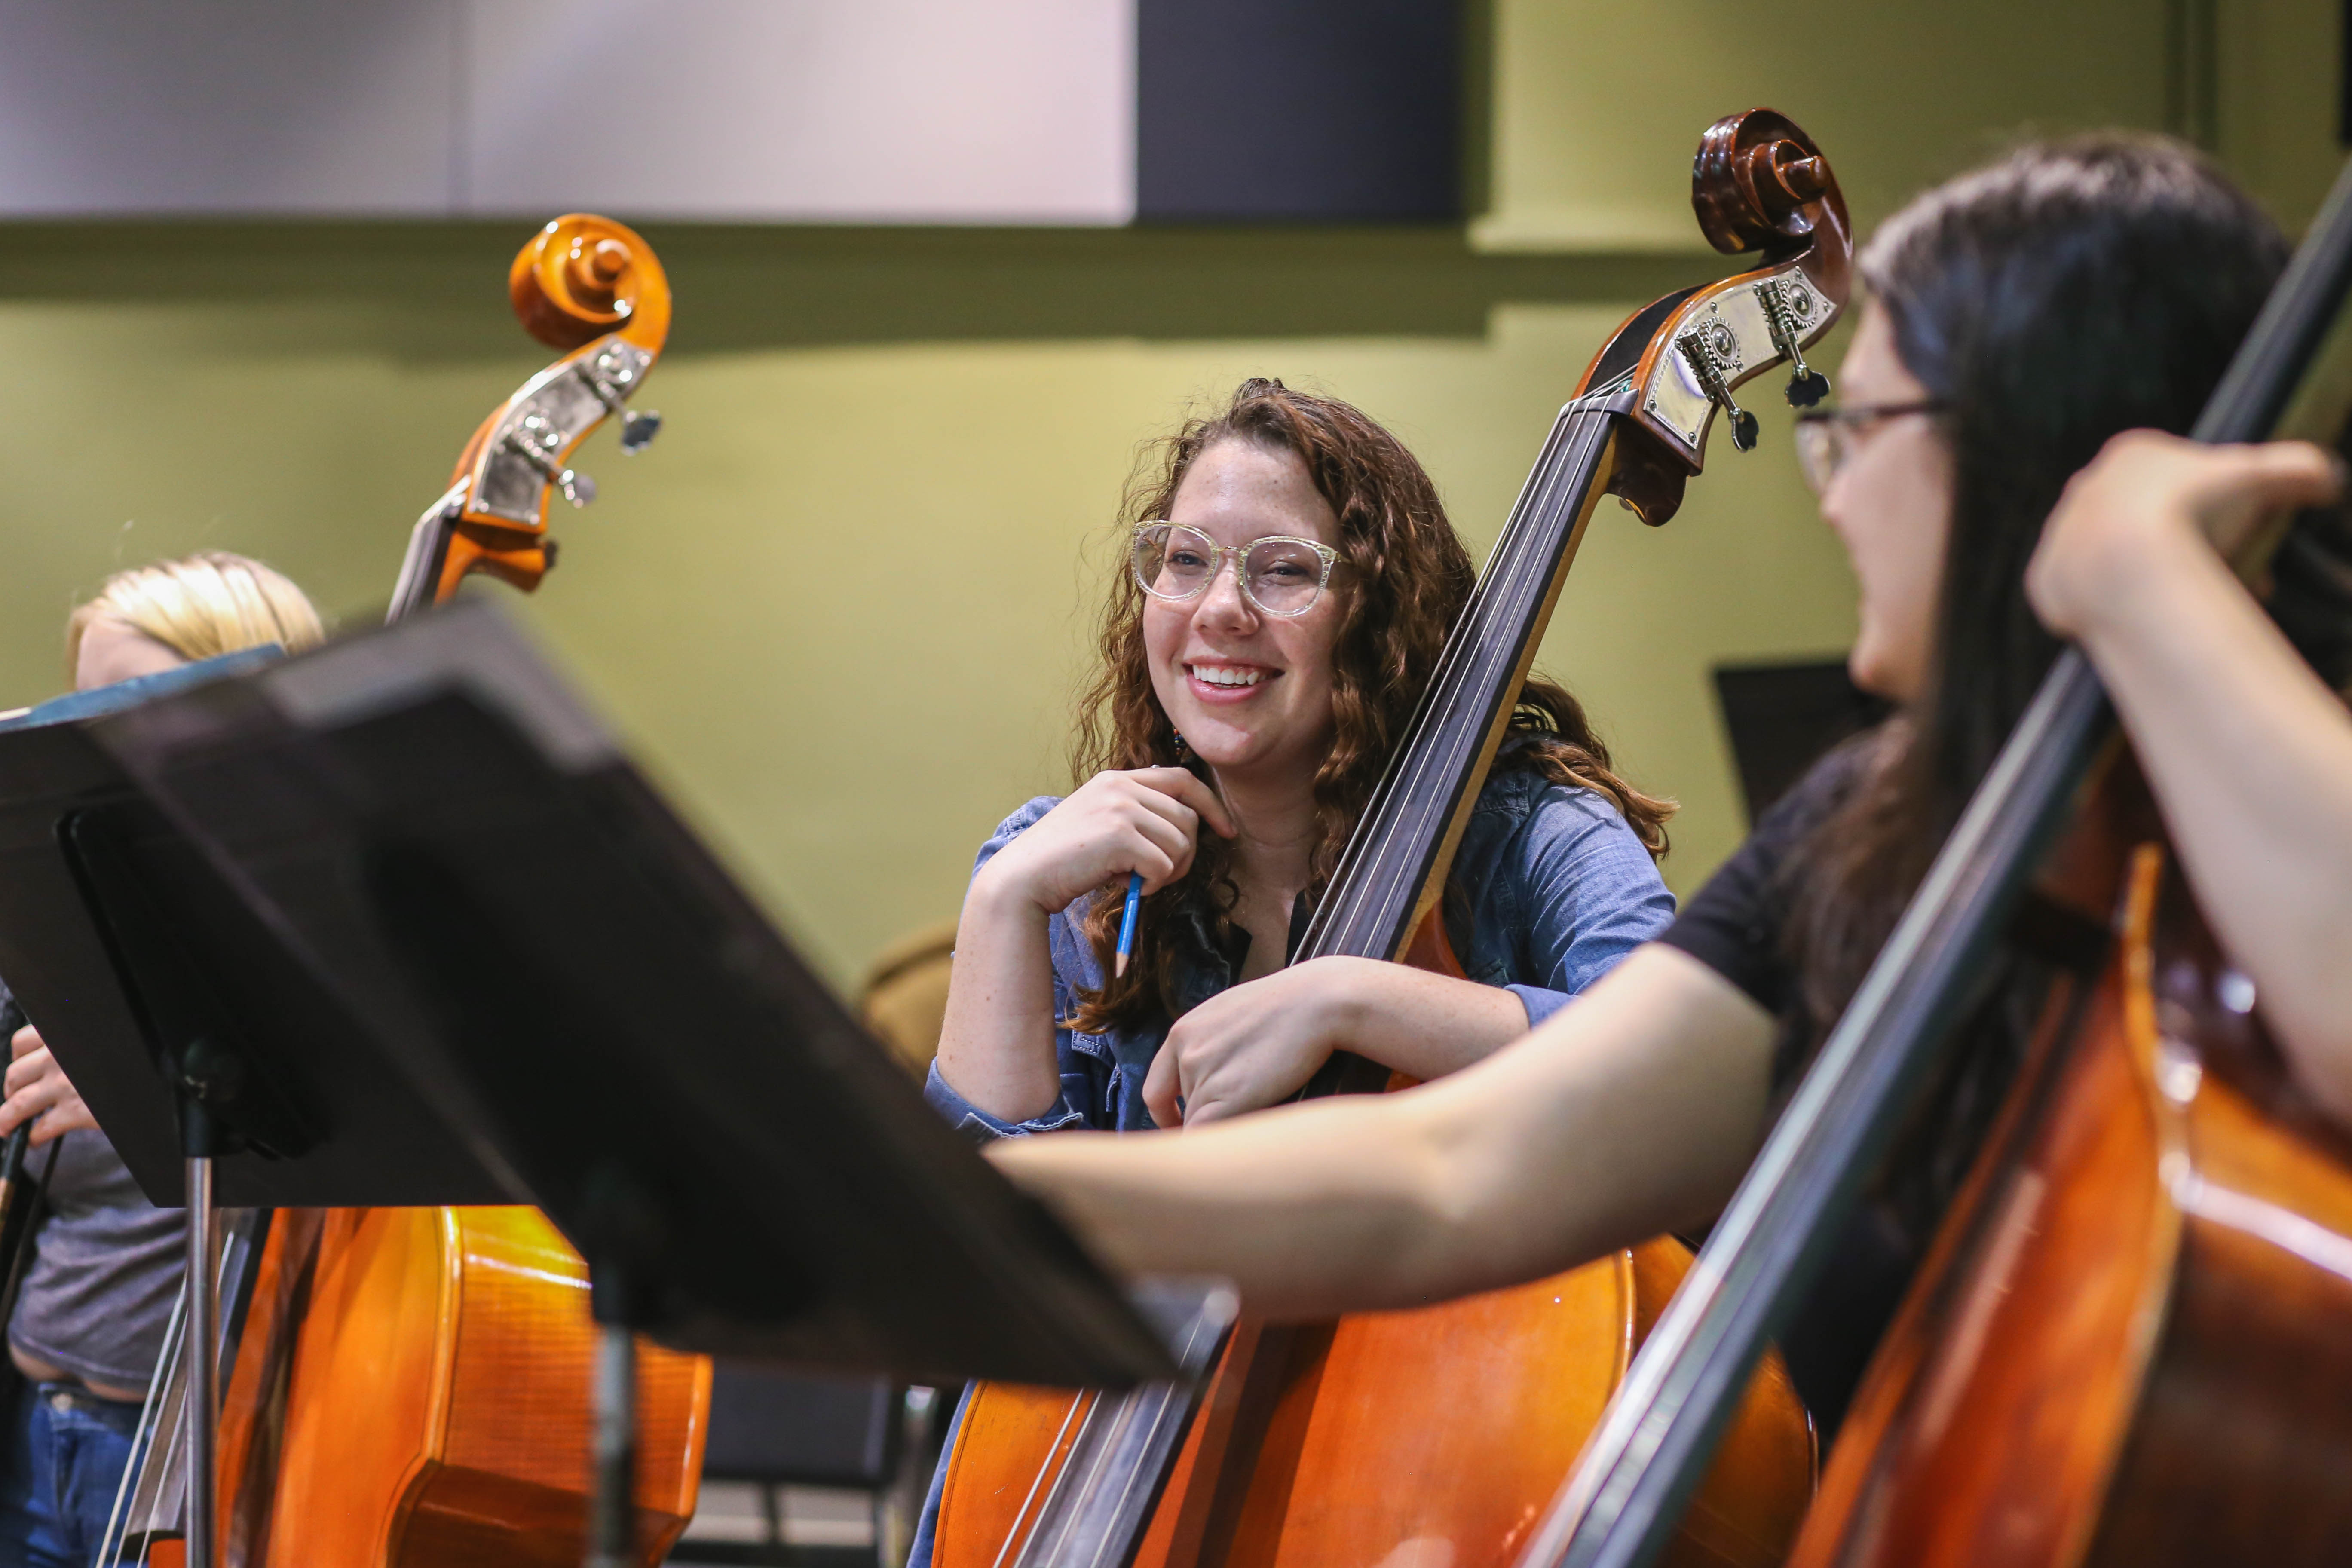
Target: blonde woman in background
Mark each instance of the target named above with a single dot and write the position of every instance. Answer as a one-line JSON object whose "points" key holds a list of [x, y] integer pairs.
{"points": [[89, 1317]]}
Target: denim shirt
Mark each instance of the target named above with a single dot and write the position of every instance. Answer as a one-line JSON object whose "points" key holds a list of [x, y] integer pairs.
{"points": [[1556, 888]]}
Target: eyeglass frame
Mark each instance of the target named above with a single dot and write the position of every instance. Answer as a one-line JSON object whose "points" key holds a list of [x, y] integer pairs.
{"points": [[1852, 421], [1240, 553]]}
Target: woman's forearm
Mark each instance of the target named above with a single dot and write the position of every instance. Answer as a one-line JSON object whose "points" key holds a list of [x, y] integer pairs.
{"points": [[1290, 1203], [996, 1042], [2251, 757], [1426, 1026], [1631, 1111]]}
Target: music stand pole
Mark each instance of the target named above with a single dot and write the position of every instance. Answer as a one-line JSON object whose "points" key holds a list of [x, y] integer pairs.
{"points": [[203, 1413], [613, 1501], [619, 1224], [200, 1138]]}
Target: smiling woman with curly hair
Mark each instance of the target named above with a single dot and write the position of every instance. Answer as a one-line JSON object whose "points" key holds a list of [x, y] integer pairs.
{"points": [[1289, 580]]}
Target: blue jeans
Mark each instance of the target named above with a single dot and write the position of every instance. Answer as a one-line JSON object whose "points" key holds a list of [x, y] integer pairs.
{"points": [[66, 1450]]}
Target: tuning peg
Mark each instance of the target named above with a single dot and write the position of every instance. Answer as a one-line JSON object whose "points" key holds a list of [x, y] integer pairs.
{"points": [[638, 428], [577, 487]]}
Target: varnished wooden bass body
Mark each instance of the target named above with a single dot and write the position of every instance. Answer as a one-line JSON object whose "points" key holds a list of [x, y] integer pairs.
{"points": [[434, 1410], [2132, 1344], [1434, 1438], [1460, 1422]]}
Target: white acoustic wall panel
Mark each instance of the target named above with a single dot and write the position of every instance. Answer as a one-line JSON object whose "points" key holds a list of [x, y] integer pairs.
{"points": [[790, 110], [843, 110], [227, 106]]}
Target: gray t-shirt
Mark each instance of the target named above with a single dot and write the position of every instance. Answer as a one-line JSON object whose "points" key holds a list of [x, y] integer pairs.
{"points": [[106, 1265]]}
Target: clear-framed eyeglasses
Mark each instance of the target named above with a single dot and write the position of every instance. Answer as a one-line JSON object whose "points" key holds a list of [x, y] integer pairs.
{"points": [[1826, 437], [1277, 575]]}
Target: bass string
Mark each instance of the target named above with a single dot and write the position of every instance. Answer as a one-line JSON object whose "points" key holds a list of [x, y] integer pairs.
{"points": [[146, 1436], [1094, 1527], [1409, 811], [1406, 824], [1093, 1481], [1082, 1410], [1355, 901]]}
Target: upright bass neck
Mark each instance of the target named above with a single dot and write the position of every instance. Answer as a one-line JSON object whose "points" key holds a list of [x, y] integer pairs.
{"points": [[1393, 869], [1638, 429]]}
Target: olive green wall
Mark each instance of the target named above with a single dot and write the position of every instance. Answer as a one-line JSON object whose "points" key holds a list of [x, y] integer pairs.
{"points": [[841, 605]]}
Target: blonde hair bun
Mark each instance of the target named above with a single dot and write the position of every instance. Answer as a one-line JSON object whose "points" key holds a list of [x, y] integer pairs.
{"points": [[203, 605]]}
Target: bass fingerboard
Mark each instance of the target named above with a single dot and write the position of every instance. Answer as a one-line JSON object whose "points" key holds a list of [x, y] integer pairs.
{"points": [[428, 550], [1394, 866]]}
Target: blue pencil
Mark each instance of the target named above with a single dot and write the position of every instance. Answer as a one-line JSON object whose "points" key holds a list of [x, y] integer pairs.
{"points": [[1126, 923]]}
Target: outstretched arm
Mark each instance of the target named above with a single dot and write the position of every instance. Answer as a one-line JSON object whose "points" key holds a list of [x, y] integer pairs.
{"points": [[2249, 754], [1632, 1111]]}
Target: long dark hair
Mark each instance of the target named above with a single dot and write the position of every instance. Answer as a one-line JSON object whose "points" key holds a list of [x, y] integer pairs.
{"points": [[2070, 290], [1407, 577]]}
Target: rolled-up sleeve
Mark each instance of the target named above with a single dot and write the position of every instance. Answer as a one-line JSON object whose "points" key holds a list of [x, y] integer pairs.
{"points": [[1540, 1002], [1587, 891], [979, 1125], [1082, 1061]]}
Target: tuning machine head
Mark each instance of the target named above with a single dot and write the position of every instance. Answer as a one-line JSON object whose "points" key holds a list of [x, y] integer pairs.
{"points": [[1707, 359], [538, 438], [612, 376], [1807, 387]]}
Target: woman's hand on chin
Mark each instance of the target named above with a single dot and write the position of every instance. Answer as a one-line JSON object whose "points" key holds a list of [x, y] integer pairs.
{"points": [[1144, 819], [1257, 1043]]}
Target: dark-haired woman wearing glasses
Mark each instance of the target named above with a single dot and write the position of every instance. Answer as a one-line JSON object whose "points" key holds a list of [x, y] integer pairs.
{"points": [[2018, 319], [1292, 576]]}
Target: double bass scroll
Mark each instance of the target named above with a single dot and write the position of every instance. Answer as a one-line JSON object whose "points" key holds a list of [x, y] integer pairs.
{"points": [[588, 285], [1759, 184]]}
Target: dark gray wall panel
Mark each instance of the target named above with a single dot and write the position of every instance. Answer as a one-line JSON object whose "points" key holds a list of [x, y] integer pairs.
{"points": [[1330, 111]]}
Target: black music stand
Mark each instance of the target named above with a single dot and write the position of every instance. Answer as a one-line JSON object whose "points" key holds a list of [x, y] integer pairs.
{"points": [[221, 1071], [465, 857]]}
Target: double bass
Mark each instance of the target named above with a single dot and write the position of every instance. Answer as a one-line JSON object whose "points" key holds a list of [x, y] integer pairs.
{"points": [[2125, 1344], [1433, 1438], [411, 1386]]}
